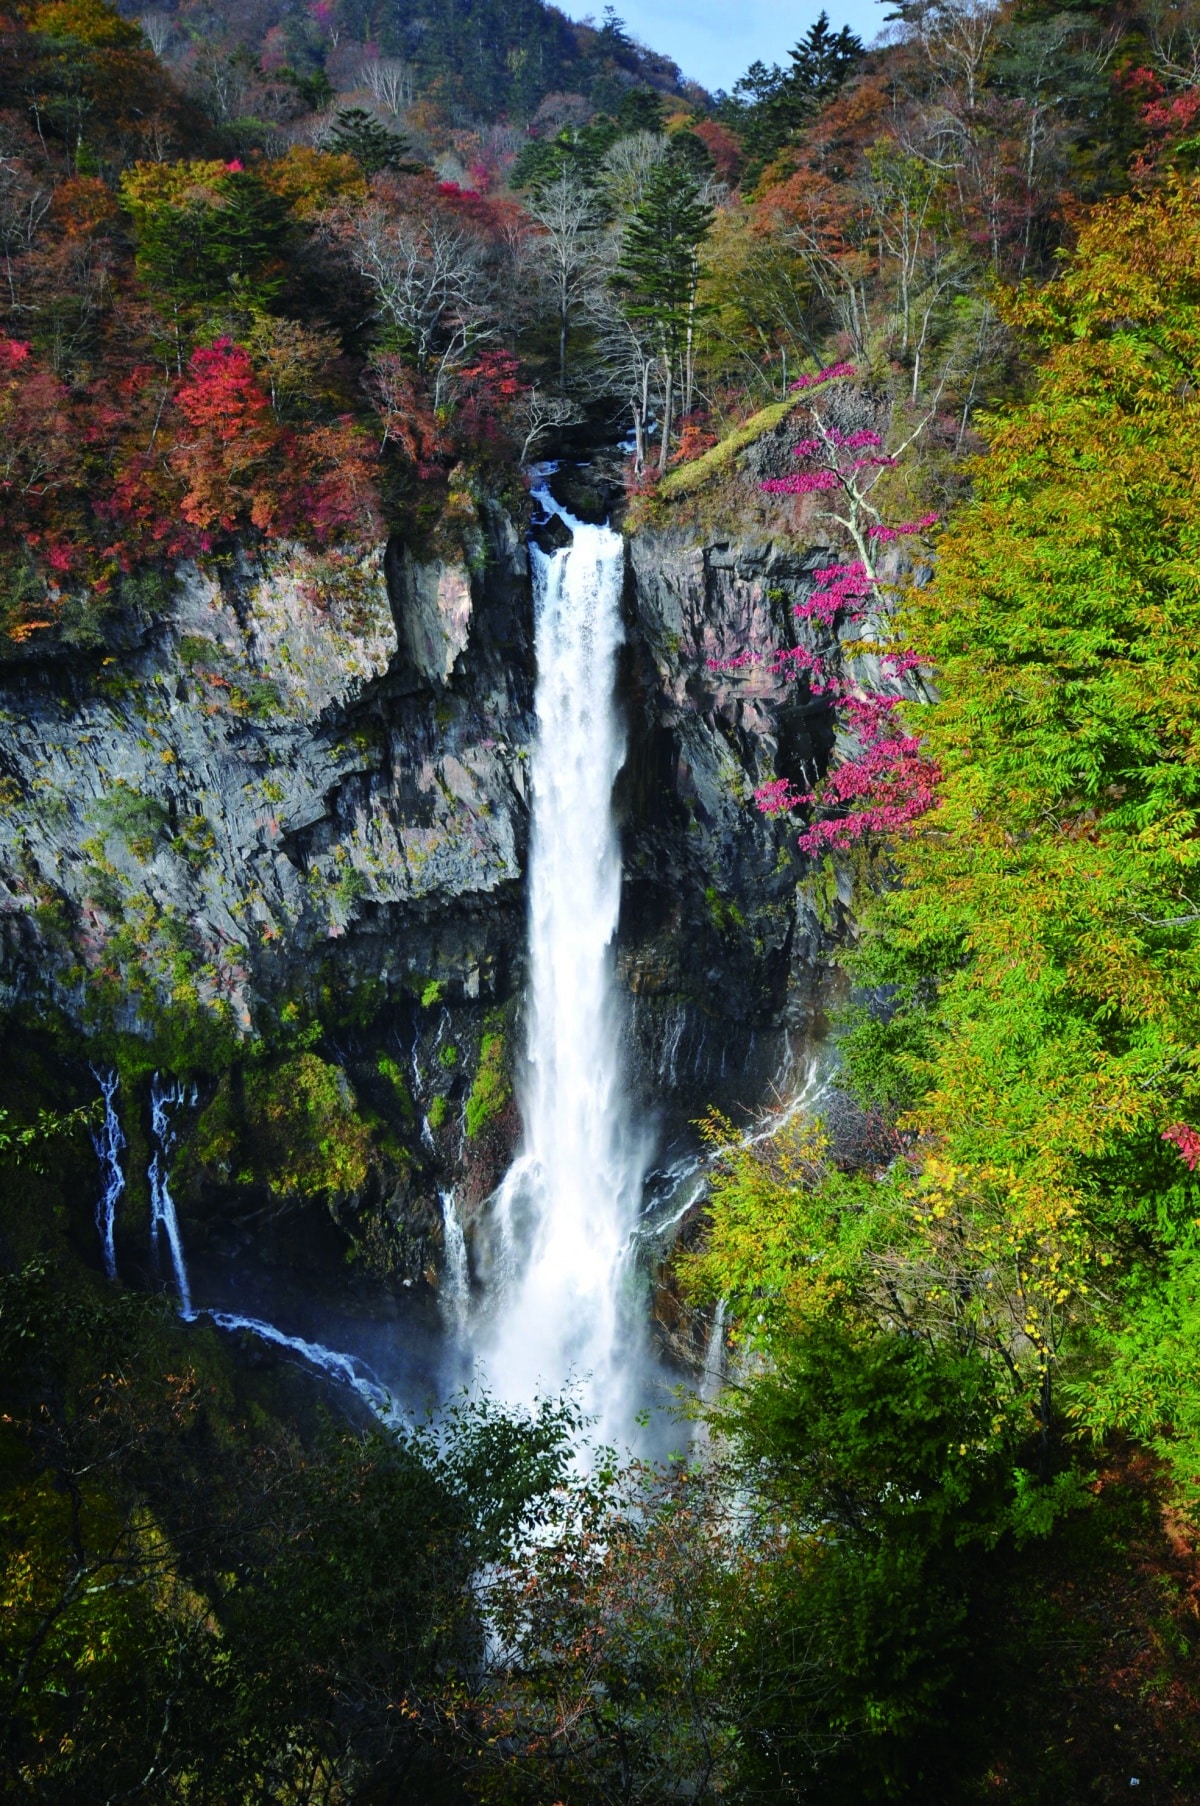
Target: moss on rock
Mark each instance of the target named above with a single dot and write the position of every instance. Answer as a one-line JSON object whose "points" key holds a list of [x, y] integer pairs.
{"points": [[293, 1128], [492, 1089]]}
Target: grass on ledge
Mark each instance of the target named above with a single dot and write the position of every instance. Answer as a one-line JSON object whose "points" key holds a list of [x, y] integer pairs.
{"points": [[691, 476]]}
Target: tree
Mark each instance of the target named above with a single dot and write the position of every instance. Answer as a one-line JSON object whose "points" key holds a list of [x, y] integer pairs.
{"points": [[358, 134], [391, 82], [769, 106], [432, 283], [157, 28], [640, 110], [206, 231], [625, 360], [565, 250], [659, 273], [1041, 947], [186, 1612]]}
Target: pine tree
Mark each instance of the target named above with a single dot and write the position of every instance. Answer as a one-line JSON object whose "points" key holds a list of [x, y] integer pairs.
{"points": [[360, 135], [769, 105], [640, 110], [659, 271]]}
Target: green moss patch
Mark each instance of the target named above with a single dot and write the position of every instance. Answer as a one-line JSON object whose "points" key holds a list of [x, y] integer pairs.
{"points": [[491, 1091], [293, 1128], [694, 475]]}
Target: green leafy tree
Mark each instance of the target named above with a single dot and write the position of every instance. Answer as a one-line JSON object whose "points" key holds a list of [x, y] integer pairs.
{"points": [[207, 232], [203, 1600], [1041, 951]]}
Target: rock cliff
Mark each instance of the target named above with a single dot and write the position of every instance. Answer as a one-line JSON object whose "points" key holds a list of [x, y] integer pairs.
{"points": [[287, 812]]}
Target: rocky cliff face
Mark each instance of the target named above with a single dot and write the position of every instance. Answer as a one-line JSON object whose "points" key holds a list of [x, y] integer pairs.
{"points": [[291, 806], [265, 769], [724, 941]]}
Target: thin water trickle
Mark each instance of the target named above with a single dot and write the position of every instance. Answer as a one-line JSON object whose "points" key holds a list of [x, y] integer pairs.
{"points": [[348, 1369], [713, 1374], [455, 1291], [564, 1215], [109, 1141], [163, 1100]]}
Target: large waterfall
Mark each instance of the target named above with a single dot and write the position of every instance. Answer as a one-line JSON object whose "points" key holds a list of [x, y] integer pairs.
{"points": [[565, 1213]]}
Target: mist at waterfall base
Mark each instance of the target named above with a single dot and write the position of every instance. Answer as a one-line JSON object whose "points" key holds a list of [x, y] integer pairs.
{"points": [[553, 1293]]}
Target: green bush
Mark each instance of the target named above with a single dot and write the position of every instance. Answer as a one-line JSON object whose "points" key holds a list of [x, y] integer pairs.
{"points": [[293, 1128]]}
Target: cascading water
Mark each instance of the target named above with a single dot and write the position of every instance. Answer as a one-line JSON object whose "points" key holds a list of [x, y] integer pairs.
{"points": [[347, 1369], [109, 1141], [713, 1373], [564, 1215], [455, 1293], [163, 1099]]}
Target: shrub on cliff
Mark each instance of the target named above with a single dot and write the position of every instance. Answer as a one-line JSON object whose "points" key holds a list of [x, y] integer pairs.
{"points": [[491, 1090], [292, 1128]]}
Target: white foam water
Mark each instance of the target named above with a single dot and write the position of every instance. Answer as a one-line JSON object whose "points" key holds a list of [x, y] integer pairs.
{"points": [[454, 1294], [564, 1216], [108, 1139], [347, 1369], [163, 1217]]}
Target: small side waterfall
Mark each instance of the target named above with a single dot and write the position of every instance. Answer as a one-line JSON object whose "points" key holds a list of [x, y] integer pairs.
{"points": [[109, 1142], [455, 1293], [164, 1099], [565, 1213], [714, 1356], [712, 1375], [347, 1369], [108, 1139]]}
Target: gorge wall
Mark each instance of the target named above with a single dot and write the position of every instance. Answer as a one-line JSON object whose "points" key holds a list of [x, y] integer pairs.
{"points": [[273, 834]]}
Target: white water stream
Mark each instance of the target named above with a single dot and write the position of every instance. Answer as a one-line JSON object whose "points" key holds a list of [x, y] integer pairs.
{"points": [[564, 1216], [454, 1292], [163, 1217], [108, 1139]]}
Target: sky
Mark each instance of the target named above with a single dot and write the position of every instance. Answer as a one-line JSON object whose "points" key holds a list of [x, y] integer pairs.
{"points": [[715, 41]]}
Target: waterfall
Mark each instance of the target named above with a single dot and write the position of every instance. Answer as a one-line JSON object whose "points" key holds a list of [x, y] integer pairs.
{"points": [[714, 1356], [163, 1100], [108, 1141], [455, 1294], [564, 1214], [712, 1376], [347, 1369]]}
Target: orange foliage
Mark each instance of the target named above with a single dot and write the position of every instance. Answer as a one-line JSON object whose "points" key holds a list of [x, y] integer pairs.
{"points": [[82, 205], [724, 146], [310, 180], [225, 464]]}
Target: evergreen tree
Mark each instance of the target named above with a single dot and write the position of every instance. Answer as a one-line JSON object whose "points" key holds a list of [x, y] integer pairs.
{"points": [[204, 230], [694, 154], [659, 271], [768, 105], [360, 135], [614, 39], [640, 110]]}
